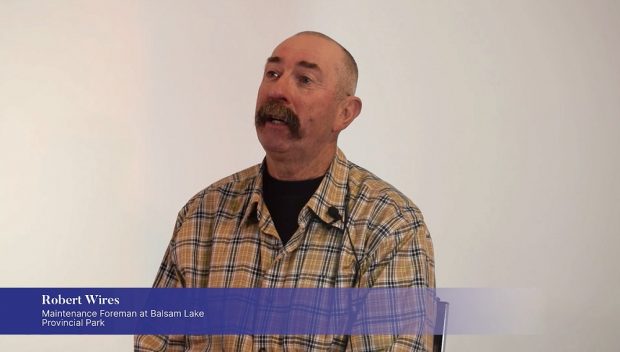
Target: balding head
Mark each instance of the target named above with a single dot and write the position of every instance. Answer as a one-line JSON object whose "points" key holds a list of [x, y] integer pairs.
{"points": [[306, 98], [348, 72]]}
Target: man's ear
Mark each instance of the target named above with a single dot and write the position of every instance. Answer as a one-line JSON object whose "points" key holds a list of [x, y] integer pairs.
{"points": [[350, 108]]}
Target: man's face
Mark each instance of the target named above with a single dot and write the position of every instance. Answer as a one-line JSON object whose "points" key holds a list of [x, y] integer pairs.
{"points": [[298, 99]]}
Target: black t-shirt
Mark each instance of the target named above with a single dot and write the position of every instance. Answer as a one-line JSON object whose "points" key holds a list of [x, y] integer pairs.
{"points": [[285, 199]]}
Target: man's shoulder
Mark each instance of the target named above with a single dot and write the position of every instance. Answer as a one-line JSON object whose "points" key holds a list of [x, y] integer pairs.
{"points": [[368, 188], [238, 184], [372, 185], [238, 179]]}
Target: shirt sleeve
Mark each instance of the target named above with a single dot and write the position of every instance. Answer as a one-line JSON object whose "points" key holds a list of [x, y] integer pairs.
{"points": [[400, 260], [168, 276]]}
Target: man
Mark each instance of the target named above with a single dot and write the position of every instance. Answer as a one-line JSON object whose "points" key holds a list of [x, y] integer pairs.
{"points": [[306, 217]]}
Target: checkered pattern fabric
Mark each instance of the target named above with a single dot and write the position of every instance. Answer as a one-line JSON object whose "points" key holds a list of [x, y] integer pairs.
{"points": [[225, 237]]}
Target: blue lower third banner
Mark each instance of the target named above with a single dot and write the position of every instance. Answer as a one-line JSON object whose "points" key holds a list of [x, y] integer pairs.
{"points": [[215, 311], [278, 311]]}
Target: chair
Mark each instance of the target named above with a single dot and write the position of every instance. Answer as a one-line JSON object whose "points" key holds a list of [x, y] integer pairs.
{"points": [[441, 320]]}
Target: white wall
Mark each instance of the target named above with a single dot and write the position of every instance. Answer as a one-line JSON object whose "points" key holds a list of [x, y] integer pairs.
{"points": [[500, 120]]}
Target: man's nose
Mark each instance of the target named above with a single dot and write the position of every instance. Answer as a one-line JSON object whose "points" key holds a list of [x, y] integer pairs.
{"points": [[279, 89]]}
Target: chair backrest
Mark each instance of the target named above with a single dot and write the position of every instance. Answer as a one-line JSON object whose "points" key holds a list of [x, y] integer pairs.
{"points": [[441, 320]]}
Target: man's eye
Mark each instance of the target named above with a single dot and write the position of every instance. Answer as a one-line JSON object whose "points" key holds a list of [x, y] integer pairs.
{"points": [[304, 80], [272, 74]]}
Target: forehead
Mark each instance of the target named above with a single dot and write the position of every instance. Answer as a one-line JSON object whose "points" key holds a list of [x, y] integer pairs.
{"points": [[309, 48]]}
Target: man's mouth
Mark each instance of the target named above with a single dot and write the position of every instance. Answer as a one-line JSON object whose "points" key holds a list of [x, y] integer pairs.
{"points": [[277, 114], [276, 120]]}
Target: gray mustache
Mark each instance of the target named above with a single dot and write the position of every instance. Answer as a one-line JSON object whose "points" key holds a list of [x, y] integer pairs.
{"points": [[274, 109]]}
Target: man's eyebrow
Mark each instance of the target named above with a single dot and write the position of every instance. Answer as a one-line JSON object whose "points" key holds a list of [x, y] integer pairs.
{"points": [[303, 63], [309, 65]]}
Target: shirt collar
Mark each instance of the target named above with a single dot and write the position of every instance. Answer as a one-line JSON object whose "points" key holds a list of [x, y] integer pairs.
{"points": [[331, 192], [252, 210]]}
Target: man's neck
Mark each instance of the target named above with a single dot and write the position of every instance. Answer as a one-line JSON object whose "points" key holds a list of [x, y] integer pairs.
{"points": [[288, 168]]}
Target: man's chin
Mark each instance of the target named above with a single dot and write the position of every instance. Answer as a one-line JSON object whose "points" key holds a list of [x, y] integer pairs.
{"points": [[275, 143]]}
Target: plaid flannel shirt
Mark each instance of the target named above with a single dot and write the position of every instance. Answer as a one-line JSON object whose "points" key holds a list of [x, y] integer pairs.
{"points": [[225, 237]]}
